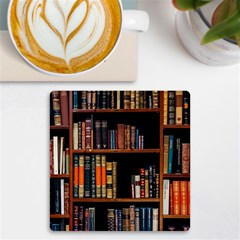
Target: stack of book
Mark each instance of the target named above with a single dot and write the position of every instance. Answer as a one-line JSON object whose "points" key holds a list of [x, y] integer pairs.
{"points": [[59, 108], [176, 155], [133, 219], [59, 226], [83, 218], [176, 197], [176, 107], [59, 156], [94, 177], [91, 100], [146, 184], [59, 197], [86, 136]]}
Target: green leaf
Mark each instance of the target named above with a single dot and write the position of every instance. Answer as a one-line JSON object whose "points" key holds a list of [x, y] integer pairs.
{"points": [[189, 4], [227, 28]]}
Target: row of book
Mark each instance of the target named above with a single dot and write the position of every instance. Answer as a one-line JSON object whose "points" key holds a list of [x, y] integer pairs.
{"points": [[59, 225], [115, 99], [146, 184], [59, 108], [59, 196], [94, 177], [176, 197], [176, 107], [59, 156], [83, 218], [176, 155], [86, 136], [133, 219]]}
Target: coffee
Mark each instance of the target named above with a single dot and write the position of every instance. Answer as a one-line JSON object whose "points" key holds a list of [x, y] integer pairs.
{"points": [[65, 36]]}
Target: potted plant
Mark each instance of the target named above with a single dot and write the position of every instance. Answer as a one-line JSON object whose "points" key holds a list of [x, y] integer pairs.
{"points": [[210, 29]]}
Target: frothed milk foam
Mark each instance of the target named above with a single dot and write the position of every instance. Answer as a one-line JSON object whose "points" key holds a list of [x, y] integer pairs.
{"points": [[65, 36]]}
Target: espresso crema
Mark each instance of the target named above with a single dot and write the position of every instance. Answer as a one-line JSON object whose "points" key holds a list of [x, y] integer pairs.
{"points": [[65, 36]]}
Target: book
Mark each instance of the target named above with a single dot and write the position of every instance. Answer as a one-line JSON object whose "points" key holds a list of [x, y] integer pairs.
{"points": [[179, 107], [171, 107], [79, 135], [81, 176], [185, 158], [165, 108], [150, 181], [178, 156], [55, 155], [62, 196], [104, 176], [165, 154], [88, 134], [75, 136], [109, 168], [120, 135], [75, 100], [176, 198], [142, 182], [64, 107], [126, 219], [155, 215], [166, 196], [171, 199], [98, 176], [83, 135], [91, 219], [110, 220], [93, 100], [132, 217], [137, 219], [183, 197], [98, 99], [186, 111], [142, 219], [84, 100], [98, 135], [87, 176], [75, 176], [93, 177], [104, 134], [56, 106], [170, 154], [89, 100], [114, 179], [137, 186], [188, 197], [149, 219]]}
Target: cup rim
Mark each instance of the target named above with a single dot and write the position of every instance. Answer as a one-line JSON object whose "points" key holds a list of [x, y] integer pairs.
{"points": [[63, 75]]}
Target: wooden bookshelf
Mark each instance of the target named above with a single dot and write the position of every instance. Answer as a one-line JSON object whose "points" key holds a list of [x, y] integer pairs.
{"points": [[153, 153]]}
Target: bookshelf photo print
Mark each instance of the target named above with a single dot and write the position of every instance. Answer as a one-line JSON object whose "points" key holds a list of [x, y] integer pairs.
{"points": [[119, 161]]}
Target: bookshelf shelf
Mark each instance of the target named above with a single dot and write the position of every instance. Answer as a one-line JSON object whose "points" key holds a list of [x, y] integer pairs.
{"points": [[59, 216], [59, 127], [176, 175], [176, 126], [59, 175], [177, 216], [106, 151], [147, 110], [106, 200]]}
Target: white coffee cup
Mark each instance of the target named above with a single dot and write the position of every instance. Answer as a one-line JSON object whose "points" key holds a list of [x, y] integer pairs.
{"points": [[131, 20]]}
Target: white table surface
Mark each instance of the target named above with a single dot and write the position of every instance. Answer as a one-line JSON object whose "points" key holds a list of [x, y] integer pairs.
{"points": [[163, 64]]}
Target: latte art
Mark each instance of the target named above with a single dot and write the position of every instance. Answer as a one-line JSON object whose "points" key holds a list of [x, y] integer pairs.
{"points": [[65, 36]]}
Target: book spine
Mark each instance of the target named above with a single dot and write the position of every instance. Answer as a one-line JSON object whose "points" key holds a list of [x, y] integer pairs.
{"points": [[61, 155], [183, 197], [91, 225], [170, 154], [114, 179], [165, 154], [75, 100], [108, 105], [87, 173], [155, 219], [86, 219], [81, 218], [120, 136], [188, 198], [133, 186], [83, 135], [118, 99], [98, 140], [93, 100], [149, 219], [104, 134], [137, 99], [137, 219], [104, 100], [171, 199], [154, 181], [132, 217], [141, 99], [98, 100], [144, 99], [126, 219], [98, 176], [166, 183], [55, 155], [128, 137], [120, 220], [157, 185], [104, 176], [176, 198], [62, 196], [133, 99], [109, 180], [179, 107], [88, 134], [67, 160], [93, 170], [75, 136], [81, 177], [178, 160], [75, 218], [75, 176], [171, 107], [51, 158], [137, 139], [137, 186], [64, 107], [116, 219], [79, 135], [185, 111], [112, 99], [133, 137], [146, 184], [150, 102], [165, 108], [57, 196], [150, 181], [155, 99], [142, 182], [185, 157], [62, 225], [110, 218], [84, 100], [142, 219]]}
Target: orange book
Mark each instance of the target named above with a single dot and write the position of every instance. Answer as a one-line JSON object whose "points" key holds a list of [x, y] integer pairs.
{"points": [[81, 177], [176, 198], [104, 176], [171, 199], [188, 198], [183, 194], [98, 176]]}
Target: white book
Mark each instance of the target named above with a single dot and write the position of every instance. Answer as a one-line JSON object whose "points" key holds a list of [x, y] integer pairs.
{"points": [[75, 136], [155, 219], [55, 155], [61, 155], [62, 195], [118, 99], [166, 184], [64, 163], [137, 186]]}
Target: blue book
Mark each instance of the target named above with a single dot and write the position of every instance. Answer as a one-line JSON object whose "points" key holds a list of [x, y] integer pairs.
{"points": [[149, 219], [55, 227], [120, 220], [91, 221], [170, 153], [111, 139], [75, 99], [87, 177], [142, 219], [137, 134], [93, 169], [114, 139]]}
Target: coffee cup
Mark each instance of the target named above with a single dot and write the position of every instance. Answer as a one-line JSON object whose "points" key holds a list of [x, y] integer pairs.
{"points": [[70, 37]]}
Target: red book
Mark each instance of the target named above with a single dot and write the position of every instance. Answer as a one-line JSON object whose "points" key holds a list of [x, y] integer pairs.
{"points": [[64, 107], [176, 198], [51, 156], [183, 196], [185, 157], [120, 136], [171, 199], [188, 198]]}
